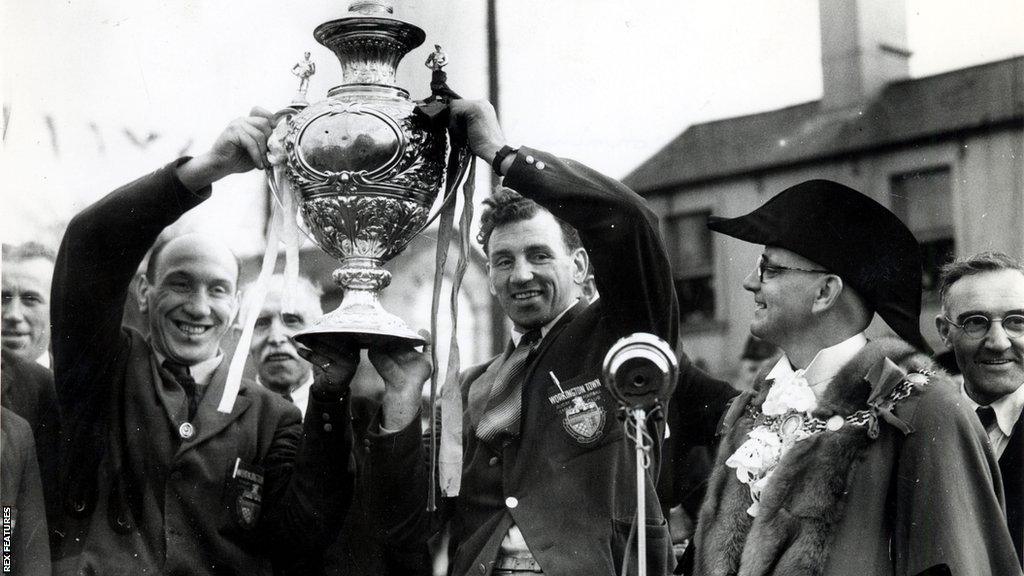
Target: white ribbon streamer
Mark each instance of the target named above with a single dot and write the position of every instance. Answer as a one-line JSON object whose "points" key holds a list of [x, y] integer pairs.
{"points": [[253, 306]]}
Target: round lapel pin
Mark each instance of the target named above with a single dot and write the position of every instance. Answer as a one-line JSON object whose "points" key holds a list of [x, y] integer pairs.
{"points": [[186, 430]]}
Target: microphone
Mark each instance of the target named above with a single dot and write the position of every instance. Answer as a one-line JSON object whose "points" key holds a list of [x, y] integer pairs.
{"points": [[640, 371]]}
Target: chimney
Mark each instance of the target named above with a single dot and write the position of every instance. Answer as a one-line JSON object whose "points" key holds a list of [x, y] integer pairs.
{"points": [[863, 48]]}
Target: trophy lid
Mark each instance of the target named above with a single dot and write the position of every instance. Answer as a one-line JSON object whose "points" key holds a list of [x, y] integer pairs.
{"points": [[369, 42]]}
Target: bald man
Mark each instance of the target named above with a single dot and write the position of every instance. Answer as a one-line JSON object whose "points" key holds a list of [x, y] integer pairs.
{"points": [[278, 364], [157, 480]]}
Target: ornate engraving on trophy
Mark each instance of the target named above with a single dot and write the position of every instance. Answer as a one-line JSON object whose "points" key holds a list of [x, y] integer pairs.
{"points": [[363, 169]]}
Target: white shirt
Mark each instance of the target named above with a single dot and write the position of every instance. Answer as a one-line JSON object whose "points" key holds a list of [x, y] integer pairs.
{"points": [[1007, 410], [300, 396], [823, 368]]}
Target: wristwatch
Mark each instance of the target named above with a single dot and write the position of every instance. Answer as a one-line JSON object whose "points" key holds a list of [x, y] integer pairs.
{"points": [[503, 153]]}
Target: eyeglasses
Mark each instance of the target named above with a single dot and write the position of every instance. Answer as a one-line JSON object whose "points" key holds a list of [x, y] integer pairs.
{"points": [[774, 270], [977, 326]]}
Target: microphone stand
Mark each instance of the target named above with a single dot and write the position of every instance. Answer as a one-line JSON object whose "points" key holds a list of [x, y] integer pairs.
{"points": [[639, 371], [640, 421]]}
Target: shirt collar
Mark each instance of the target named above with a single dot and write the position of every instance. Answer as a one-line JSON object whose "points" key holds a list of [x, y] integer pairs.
{"points": [[201, 372], [1007, 409], [517, 335], [825, 365], [300, 396]]}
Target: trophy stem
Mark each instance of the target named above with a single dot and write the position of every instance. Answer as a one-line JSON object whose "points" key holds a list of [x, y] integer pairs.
{"points": [[360, 320]]}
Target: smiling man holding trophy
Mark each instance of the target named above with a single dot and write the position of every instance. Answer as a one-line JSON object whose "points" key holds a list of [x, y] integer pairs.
{"points": [[162, 475]]}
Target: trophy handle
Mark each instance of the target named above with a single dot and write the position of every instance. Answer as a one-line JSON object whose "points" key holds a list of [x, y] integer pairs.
{"points": [[459, 158]]}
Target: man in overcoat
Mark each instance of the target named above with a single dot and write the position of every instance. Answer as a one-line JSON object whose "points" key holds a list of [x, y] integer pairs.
{"points": [[850, 456], [157, 480], [542, 479], [982, 322]]}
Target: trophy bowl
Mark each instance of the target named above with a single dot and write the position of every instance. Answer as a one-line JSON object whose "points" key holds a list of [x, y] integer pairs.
{"points": [[362, 170]]}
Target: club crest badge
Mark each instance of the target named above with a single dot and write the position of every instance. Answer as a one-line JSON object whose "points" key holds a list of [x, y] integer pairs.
{"points": [[584, 420], [247, 492], [581, 409]]}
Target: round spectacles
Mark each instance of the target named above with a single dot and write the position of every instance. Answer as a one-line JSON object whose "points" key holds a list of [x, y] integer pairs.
{"points": [[977, 326], [774, 270]]}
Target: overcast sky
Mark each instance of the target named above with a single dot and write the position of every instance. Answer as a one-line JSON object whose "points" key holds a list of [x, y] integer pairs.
{"points": [[102, 91]]}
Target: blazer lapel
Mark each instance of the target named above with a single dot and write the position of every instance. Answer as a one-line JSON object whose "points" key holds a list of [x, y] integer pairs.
{"points": [[551, 336], [1011, 466], [1011, 460], [209, 421]]}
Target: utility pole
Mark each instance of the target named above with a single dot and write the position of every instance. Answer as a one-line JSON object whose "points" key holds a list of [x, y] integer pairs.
{"points": [[498, 333]]}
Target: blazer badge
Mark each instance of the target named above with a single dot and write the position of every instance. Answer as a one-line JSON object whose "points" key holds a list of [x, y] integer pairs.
{"points": [[582, 416], [246, 490]]}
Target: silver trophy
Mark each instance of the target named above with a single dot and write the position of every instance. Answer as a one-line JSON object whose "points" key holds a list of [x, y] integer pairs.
{"points": [[360, 171]]}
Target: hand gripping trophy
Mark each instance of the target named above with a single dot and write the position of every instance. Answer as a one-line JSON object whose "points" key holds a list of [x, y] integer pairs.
{"points": [[362, 169]]}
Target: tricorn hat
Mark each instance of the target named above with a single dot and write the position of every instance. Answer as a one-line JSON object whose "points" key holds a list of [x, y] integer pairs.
{"points": [[849, 234]]}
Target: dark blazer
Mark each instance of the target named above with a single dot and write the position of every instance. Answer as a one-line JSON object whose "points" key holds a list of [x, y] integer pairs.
{"points": [[138, 498], [26, 388], [569, 485], [1011, 465], [22, 497]]}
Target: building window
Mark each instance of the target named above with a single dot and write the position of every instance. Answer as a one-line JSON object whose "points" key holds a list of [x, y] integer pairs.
{"points": [[924, 201], [689, 245]]}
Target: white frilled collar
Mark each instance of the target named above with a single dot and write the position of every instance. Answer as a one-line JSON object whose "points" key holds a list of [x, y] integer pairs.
{"points": [[824, 367]]}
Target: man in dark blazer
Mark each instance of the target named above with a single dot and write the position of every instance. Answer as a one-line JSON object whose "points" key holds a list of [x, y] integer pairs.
{"points": [[26, 388], [535, 468], [982, 321], [157, 480], [26, 550]]}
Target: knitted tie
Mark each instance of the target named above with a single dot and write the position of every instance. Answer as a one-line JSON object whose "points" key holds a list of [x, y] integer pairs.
{"points": [[187, 382], [505, 402], [987, 416]]}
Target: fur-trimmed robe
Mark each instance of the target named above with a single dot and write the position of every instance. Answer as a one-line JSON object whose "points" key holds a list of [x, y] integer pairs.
{"points": [[840, 503]]}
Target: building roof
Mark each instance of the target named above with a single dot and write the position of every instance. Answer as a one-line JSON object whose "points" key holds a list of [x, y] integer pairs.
{"points": [[905, 111]]}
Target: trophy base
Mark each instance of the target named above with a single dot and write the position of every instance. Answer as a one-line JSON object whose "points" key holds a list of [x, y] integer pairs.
{"points": [[358, 324]]}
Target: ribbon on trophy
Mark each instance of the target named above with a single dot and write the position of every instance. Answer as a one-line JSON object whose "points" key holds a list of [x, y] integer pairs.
{"points": [[281, 228], [448, 456], [250, 310]]}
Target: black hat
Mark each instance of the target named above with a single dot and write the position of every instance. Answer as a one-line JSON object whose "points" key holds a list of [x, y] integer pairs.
{"points": [[850, 235]]}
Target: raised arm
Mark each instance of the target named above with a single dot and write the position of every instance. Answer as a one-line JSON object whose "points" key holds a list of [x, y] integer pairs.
{"points": [[617, 228], [104, 245]]}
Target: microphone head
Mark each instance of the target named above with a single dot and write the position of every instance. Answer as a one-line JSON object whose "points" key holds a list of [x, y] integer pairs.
{"points": [[640, 371]]}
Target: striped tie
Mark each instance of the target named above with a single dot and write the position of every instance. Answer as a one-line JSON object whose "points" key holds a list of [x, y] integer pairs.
{"points": [[505, 403]]}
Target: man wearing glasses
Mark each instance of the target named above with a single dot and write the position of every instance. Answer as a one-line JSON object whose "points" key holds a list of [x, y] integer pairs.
{"points": [[982, 321], [849, 456]]}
